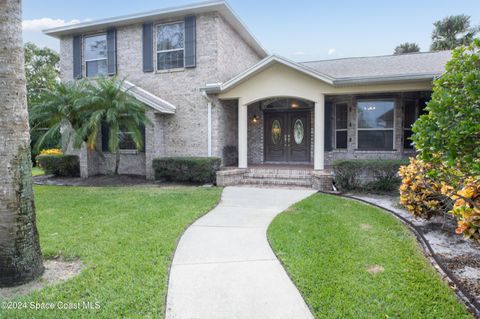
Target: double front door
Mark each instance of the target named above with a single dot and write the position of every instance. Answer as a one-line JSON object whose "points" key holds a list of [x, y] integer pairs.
{"points": [[287, 136]]}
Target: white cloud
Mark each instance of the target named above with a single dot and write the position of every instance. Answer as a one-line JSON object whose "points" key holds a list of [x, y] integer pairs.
{"points": [[299, 53], [46, 23], [332, 51]]}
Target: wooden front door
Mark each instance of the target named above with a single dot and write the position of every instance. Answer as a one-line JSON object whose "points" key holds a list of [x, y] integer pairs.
{"points": [[287, 136]]}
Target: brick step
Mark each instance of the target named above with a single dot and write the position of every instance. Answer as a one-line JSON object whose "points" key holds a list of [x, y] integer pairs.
{"points": [[272, 181], [277, 176], [279, 171]]}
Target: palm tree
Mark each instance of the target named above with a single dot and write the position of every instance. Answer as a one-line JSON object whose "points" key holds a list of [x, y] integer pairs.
{"points": [[20, 255], [108, 103], [59, 110], [451, 32], [407, 47]]}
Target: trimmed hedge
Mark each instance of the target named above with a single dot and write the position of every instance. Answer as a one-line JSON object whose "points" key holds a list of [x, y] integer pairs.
{"points": [[367, 175], [187, 169], [60, 165]]}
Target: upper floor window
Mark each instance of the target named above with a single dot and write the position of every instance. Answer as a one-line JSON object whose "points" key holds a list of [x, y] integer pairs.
{"points": [[170, 46], [341, 123], [95, 55], [375, 124]]}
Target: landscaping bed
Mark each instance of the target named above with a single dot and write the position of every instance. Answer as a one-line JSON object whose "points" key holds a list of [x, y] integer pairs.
{"points": [[124, 237], [352, 260]]}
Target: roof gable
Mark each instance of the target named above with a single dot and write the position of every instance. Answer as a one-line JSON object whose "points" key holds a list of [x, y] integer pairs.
{"points": [[201, 7]]}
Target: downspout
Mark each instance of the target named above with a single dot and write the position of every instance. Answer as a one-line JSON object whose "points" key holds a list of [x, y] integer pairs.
{"points": [[209, 123]]}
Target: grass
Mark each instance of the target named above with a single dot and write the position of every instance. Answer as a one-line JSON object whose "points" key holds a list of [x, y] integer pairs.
{"points": [[327, 244], [37, 171], [124, 236]]}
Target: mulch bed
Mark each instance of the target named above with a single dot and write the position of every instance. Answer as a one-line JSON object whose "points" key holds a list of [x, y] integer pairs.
{"points": [[104, 181]]}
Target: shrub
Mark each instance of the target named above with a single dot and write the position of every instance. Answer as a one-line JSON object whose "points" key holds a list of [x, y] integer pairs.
{"points": [[421, 194], [367, 175], [187, 169], [449, 133], [60, 165], [466, 207]]}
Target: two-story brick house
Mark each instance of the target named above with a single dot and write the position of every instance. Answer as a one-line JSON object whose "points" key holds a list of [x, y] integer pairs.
{"points": [[210, 86]]}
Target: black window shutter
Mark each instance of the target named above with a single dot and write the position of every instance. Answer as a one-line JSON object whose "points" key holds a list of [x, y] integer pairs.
{"points": [[142, 130], [104, 137], [112, 51], [328, 126], [77, 57], [148, 47], [190, 27]]}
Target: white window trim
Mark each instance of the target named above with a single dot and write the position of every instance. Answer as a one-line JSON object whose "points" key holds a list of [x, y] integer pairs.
{"points": [[340, 129], [92, 60], [171, 50], [376, 129]]}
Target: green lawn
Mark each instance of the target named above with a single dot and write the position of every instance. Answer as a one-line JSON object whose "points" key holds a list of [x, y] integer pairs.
{"points": [[124, 236], [327, 244], [37, 171]]}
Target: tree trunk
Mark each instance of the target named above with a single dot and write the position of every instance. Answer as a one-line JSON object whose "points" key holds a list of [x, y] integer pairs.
{"points": [[117, 161], [20, 255]]}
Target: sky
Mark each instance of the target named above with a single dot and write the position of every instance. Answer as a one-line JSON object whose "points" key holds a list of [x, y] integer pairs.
{"points": [[300, 30]]}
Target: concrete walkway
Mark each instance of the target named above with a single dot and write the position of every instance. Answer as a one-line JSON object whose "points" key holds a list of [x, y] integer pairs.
{"points": [[224, 267]]}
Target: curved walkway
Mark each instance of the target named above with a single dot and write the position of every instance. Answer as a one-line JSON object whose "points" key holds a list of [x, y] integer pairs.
{"points": [[224, 267]]}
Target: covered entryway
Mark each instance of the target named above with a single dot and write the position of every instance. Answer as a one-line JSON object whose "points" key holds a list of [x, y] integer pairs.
{"points": [[287, 131]]}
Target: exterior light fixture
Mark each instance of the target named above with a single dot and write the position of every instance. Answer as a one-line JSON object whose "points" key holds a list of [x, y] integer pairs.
{"points": [[294, 105], [254, 119]]}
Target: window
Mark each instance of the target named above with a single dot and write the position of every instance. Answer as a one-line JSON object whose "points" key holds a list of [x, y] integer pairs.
{"points": [[341, 123], [375, 124], [170, 46], [95, 55], [412, 110]]}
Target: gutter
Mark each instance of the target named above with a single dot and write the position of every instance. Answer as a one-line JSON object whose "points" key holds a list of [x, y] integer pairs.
{"points": [[209, 123]]}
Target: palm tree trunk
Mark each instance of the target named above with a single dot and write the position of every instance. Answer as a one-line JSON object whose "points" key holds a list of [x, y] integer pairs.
{"points": [[117, 161], [20, 256]]}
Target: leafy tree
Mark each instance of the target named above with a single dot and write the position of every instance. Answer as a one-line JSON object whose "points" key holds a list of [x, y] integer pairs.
{"points": [[41, 70], [20, 256], [42, 73], [406, 47], [451, 32], [450, 132], [108, 103]]}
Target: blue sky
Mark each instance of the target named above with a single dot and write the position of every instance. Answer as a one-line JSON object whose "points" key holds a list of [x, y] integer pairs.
{"points": [[301, 30]]}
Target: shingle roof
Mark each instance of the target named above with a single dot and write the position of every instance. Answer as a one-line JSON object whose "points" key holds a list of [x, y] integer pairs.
{"points": [[427, 63]]}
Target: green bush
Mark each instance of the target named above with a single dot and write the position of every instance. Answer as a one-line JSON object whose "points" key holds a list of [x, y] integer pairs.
{"points": [[187, 169], [60, 165], [367, 175]]}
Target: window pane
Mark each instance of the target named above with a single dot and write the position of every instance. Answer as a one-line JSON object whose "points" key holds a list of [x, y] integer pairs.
{"points": [[95, 68], [410, 116], [341, 116], [126, 141], [407, 143], [375, 114], [170, 60], [375, 139], [341, 139], [170, 36], [95, 47]]}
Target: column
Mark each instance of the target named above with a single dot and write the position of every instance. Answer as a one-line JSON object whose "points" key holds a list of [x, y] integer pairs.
{"points": [[319, 135], [242, 134]]}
